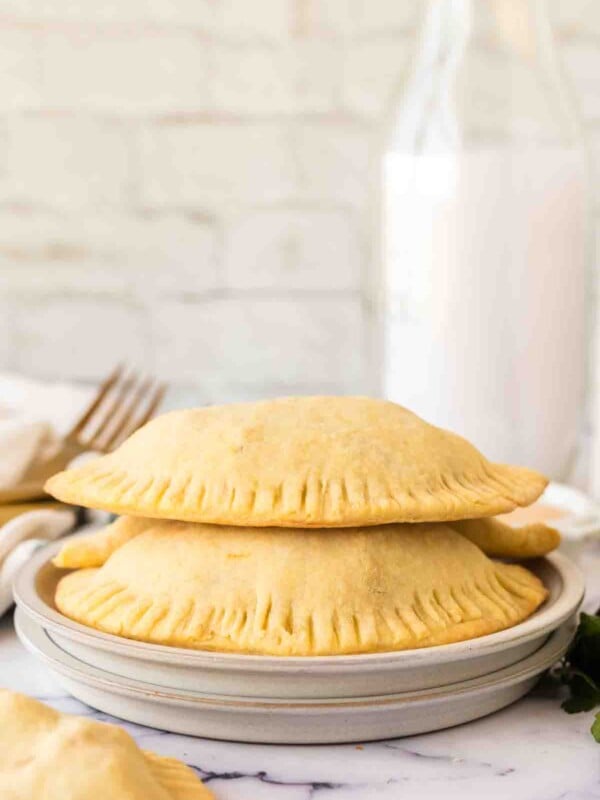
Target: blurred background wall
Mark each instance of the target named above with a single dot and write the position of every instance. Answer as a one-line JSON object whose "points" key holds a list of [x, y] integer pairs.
{"points": [[187, 184]]}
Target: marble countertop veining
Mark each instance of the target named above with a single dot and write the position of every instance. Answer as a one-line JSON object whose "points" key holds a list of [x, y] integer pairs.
{"points": [[530, 751]]}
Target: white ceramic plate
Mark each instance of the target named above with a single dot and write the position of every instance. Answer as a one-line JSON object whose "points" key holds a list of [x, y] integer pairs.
{"points": [[282, 721], [292, 677]]}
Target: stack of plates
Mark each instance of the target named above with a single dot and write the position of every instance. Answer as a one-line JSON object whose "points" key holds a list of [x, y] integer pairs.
{"points": [[296, 700]]}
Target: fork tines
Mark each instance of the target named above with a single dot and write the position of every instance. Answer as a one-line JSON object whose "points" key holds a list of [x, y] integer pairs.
{"points": [[125, 401]]}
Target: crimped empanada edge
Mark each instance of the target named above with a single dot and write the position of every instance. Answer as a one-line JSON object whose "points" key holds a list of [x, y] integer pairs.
{"points": [[307, 501], [501, 598]]}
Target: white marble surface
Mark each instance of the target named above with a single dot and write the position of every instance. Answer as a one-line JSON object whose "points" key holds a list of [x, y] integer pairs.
{"points": [[530, 751]]}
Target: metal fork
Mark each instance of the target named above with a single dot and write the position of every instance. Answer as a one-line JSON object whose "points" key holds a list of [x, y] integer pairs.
{"points": [[123, 403]]}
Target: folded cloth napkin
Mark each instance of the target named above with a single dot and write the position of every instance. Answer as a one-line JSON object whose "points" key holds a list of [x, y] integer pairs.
{"points": [[33, 417], [20, 444], [25, 534], [21, 536]]}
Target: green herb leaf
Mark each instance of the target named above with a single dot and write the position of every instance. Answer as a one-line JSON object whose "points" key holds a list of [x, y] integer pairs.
{"points": [[580, 670], [584, 694], [595, 729], [584, 653]]}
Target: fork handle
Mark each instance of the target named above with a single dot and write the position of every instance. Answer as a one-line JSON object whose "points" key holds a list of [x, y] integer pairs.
{"points": [[29, 490], [32, 487], [40, 471]]}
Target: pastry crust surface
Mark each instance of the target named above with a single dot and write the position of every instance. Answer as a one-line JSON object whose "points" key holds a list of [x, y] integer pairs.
{"points": [[298, 462], [500, 540], [299, 592], [496, 538], [54, 756]]}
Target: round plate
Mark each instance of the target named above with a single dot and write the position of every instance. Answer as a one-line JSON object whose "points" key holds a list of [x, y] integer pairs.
{"points": [[297, 677], [282, 721]]}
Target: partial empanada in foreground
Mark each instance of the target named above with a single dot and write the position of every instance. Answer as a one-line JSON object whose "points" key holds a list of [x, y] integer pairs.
{"points": [[491, 535], [298, 461], [46, 755], [299, 592]]}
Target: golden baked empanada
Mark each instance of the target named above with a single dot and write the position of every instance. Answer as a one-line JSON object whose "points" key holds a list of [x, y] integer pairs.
{"points": [[500, 540], [494, 537], [46, 755], [299, 592], [298, 461]]}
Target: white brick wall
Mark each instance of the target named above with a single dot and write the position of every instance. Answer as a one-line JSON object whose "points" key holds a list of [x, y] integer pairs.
{"points": [[109, 253], [294, 249], [192, 13], [19, 68], [208, 165], [373, 70], [91, 333], [333, 162], [187, 184], [237, 343], [58, 160], [126, 71], [238, 18]]}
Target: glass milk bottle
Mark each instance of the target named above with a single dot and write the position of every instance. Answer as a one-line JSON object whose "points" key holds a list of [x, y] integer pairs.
{"points": [[484, 235]]}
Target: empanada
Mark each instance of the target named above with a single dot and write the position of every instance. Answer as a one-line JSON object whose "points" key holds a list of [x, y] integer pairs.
{"points": [[500, 540], [298, 461], [93, 549], [494, 537], [54, 756], [299, 591]]}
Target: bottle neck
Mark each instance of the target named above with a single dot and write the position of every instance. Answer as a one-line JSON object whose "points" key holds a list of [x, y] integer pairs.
{"points": [[485, 72]]}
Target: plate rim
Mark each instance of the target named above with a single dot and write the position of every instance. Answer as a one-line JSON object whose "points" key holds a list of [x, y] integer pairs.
{"points": [[36, 639], [541, 623]]}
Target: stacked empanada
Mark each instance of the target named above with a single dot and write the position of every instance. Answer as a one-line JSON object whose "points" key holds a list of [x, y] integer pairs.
{"points": [[300, 526]]}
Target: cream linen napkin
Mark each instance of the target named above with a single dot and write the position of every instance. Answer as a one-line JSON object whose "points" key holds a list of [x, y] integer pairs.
{"points": [[21, 537], [33, 417]]}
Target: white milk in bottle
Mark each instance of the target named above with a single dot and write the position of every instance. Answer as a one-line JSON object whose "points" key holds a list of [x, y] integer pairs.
{"points": [[484, 237]]}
